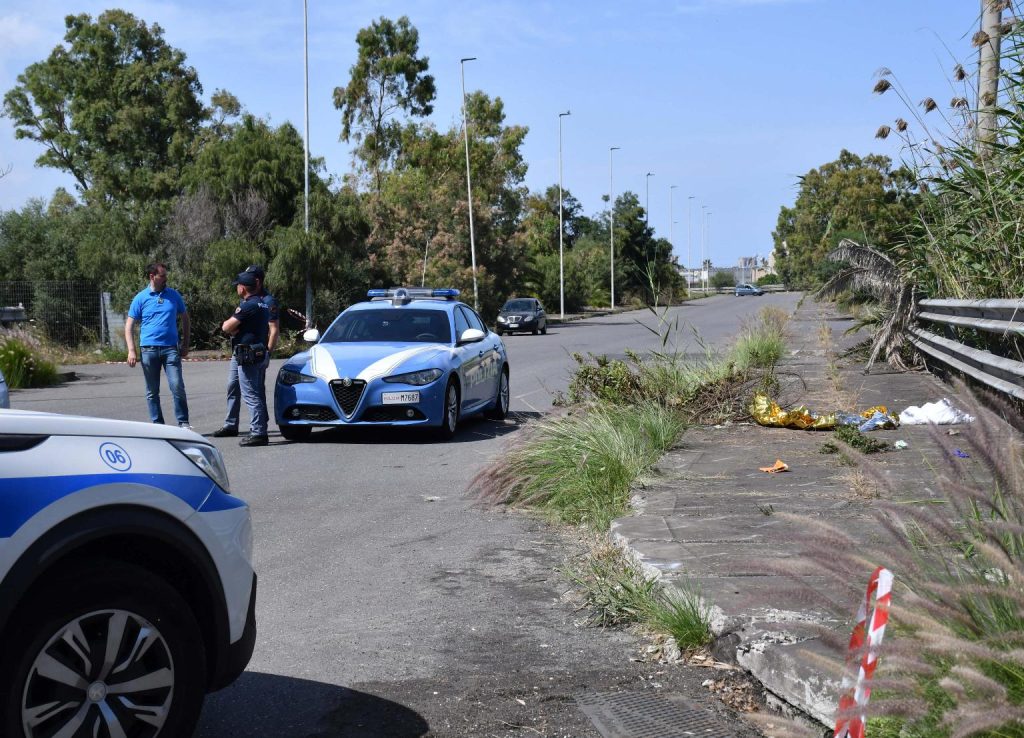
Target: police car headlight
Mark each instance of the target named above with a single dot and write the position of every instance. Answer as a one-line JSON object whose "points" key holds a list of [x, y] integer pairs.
{"points": [[207, 458], [288, 377], [416, 378]]}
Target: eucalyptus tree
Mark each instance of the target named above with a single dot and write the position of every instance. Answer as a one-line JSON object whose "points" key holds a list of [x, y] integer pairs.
{"points": [[115, 106], [388, 78]]}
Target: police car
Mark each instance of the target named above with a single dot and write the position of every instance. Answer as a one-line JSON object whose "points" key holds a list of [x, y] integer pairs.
{"points": [[126, 585], [406, 357]]}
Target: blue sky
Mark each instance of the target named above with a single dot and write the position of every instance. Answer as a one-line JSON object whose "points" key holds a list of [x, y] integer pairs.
{"points": [[729, 100]]}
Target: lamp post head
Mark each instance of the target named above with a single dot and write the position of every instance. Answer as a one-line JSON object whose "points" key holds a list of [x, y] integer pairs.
{"points": [[567, 112], [650, 174], [614, 148], [465, 59], [673, 187]]}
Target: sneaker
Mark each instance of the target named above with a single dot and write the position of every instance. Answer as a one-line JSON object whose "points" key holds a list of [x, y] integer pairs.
{"points": [[186, 426], [251, 440], [225, 432]]}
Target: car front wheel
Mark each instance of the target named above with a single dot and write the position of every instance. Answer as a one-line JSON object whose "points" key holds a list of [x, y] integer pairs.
{"points": [[105, 650], [450, 416]]}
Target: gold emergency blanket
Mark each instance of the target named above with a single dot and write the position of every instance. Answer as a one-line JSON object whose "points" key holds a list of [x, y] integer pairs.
{"points": [[767, 412]]}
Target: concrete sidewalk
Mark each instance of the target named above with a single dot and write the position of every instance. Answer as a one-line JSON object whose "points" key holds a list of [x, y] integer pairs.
{"points": [[709, 516]]}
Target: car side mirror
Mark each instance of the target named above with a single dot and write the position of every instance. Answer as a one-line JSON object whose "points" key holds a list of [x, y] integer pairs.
{"points": [[472, 335], [311, 336]]}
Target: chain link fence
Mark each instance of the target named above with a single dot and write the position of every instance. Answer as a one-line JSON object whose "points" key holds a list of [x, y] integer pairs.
{"points": [[66, 312]]}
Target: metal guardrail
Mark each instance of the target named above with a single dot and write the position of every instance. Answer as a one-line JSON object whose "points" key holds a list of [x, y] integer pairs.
{"points": [[1002, 317]]}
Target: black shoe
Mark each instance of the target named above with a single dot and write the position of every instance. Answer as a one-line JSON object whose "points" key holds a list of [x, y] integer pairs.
{"points": [[254, 441], [226, 432]]}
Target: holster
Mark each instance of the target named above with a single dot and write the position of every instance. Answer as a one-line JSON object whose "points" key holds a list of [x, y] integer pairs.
{"points": [[248, 354]]}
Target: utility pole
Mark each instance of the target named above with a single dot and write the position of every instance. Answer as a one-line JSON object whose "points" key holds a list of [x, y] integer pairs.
{"points": [[988, 41], [469, 186]]}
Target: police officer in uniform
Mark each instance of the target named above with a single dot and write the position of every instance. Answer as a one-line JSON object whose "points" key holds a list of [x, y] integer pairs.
{"points": [[269, 302], [249, 329]]}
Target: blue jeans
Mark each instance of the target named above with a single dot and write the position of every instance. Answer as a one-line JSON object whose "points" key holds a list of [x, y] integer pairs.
{"points": [[235, 392], [154, 357], [254, 394]]}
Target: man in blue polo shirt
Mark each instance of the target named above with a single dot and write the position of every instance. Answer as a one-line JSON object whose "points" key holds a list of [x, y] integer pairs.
{"points": [[157, 308]]}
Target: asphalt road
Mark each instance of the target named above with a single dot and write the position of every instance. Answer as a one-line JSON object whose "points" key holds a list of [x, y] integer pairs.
{"points": [[390, 604]]}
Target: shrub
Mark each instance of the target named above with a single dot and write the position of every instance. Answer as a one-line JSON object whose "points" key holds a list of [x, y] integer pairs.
{"points": [[22, 366], [578, 467], [768, 279]]}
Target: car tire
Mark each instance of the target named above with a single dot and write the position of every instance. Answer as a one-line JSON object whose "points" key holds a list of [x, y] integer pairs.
{"points": [[450, 415], [544, 330], [74, 616], [295, 432], [534, 331], [501, 398]]}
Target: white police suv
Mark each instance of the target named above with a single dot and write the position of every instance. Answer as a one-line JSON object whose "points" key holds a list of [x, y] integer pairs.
{"points": [[126, 585]]}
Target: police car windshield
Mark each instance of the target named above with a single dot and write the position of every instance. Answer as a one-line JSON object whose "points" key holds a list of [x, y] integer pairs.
{"points": [[520, 305], [391, 325]]}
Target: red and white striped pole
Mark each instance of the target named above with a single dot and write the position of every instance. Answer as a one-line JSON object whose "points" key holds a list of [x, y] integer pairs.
{"points": [[853, 703]]}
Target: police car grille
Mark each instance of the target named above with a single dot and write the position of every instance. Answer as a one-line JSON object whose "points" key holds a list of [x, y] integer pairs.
{"points": [[348, 397]]}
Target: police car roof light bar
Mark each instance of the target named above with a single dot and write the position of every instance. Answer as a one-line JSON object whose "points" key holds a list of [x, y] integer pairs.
{"points": [[404, 295]]}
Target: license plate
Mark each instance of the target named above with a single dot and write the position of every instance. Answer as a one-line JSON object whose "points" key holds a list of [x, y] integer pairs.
{"points": [[399, 398], [513, 325]]}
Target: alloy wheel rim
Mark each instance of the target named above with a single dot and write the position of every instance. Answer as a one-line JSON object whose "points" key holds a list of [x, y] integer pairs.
{"points": [[108, 672], [504, 392]]}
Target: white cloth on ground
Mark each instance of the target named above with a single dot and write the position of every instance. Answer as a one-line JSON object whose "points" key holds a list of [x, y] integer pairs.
{"points": [[942, 412]]}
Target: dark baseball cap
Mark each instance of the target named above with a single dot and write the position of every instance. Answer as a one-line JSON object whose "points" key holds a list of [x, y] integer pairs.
{"points": [[257, 270], [246, 278]]}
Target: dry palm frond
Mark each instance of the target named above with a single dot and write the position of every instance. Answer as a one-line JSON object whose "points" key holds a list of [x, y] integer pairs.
{"points": [[873, 272]]}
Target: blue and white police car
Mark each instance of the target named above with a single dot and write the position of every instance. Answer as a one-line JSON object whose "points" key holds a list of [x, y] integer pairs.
{"points": [[406, 357], [126, 585]]}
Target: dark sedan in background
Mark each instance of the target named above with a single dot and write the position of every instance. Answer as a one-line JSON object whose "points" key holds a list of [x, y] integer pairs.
{"points": [[522, 314]]}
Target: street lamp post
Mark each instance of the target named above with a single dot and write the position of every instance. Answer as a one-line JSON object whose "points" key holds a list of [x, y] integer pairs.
{"points": [[305, 147], [611, 224], [689, 240], [469, 186], [647, 197], [671, 221], [561, 230], [708, 233], [704, 275]]}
